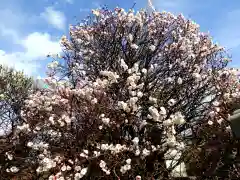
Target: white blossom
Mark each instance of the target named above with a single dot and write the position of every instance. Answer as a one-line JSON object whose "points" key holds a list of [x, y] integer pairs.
{"points": [[210, 122], [153, 148], [145, 152], [132, 93], [149, 116], [106, 120], [14, 169], [102, 164], [171, 102], [64, 168], [179, 81], [171, 141], [220, 121], [124, 65], [128, 161], [163, 111], [24, 127], [152, 47], [78, 176], [70, 161], [167, 122], [107, 172], [139, 94], [135, 140], [94, 101], [77, 168], [137, 152], [197, 76], [9, 156], [127, 167], [96, 153], [51, 119], [132, 103], [53, 64], [112, 76], [154, 113], [130, 37], [83, 171], [85, 151], [123, 106], [154, 100], [138, 177], [134, 46], [216, 103], [178, 118], [144, 71]]}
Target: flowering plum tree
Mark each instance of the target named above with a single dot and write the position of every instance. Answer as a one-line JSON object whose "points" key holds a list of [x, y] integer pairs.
{"points": [[126, 89]]}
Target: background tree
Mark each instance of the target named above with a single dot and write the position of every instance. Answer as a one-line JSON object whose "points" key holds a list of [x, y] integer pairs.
{"points": [[14, 88], [215, 150]]}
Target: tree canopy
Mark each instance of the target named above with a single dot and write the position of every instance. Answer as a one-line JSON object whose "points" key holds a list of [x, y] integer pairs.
{"points": [[126, 89]]}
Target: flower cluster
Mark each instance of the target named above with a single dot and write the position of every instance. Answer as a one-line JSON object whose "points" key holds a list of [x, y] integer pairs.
{"points": [[103, 167], [126, 167]]}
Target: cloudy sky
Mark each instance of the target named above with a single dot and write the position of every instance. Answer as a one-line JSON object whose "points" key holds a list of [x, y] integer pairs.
{"points": [[30, 29]]}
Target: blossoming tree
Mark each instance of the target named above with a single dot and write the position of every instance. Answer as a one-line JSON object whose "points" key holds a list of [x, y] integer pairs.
{"points": [[126, 89]]}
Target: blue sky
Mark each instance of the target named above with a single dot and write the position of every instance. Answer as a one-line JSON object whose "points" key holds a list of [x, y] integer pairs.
{"points": [[29, 29]]}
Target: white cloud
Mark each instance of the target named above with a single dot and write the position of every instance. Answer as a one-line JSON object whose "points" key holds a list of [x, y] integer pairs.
{"points": [[54, 17], [36, 46]]}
